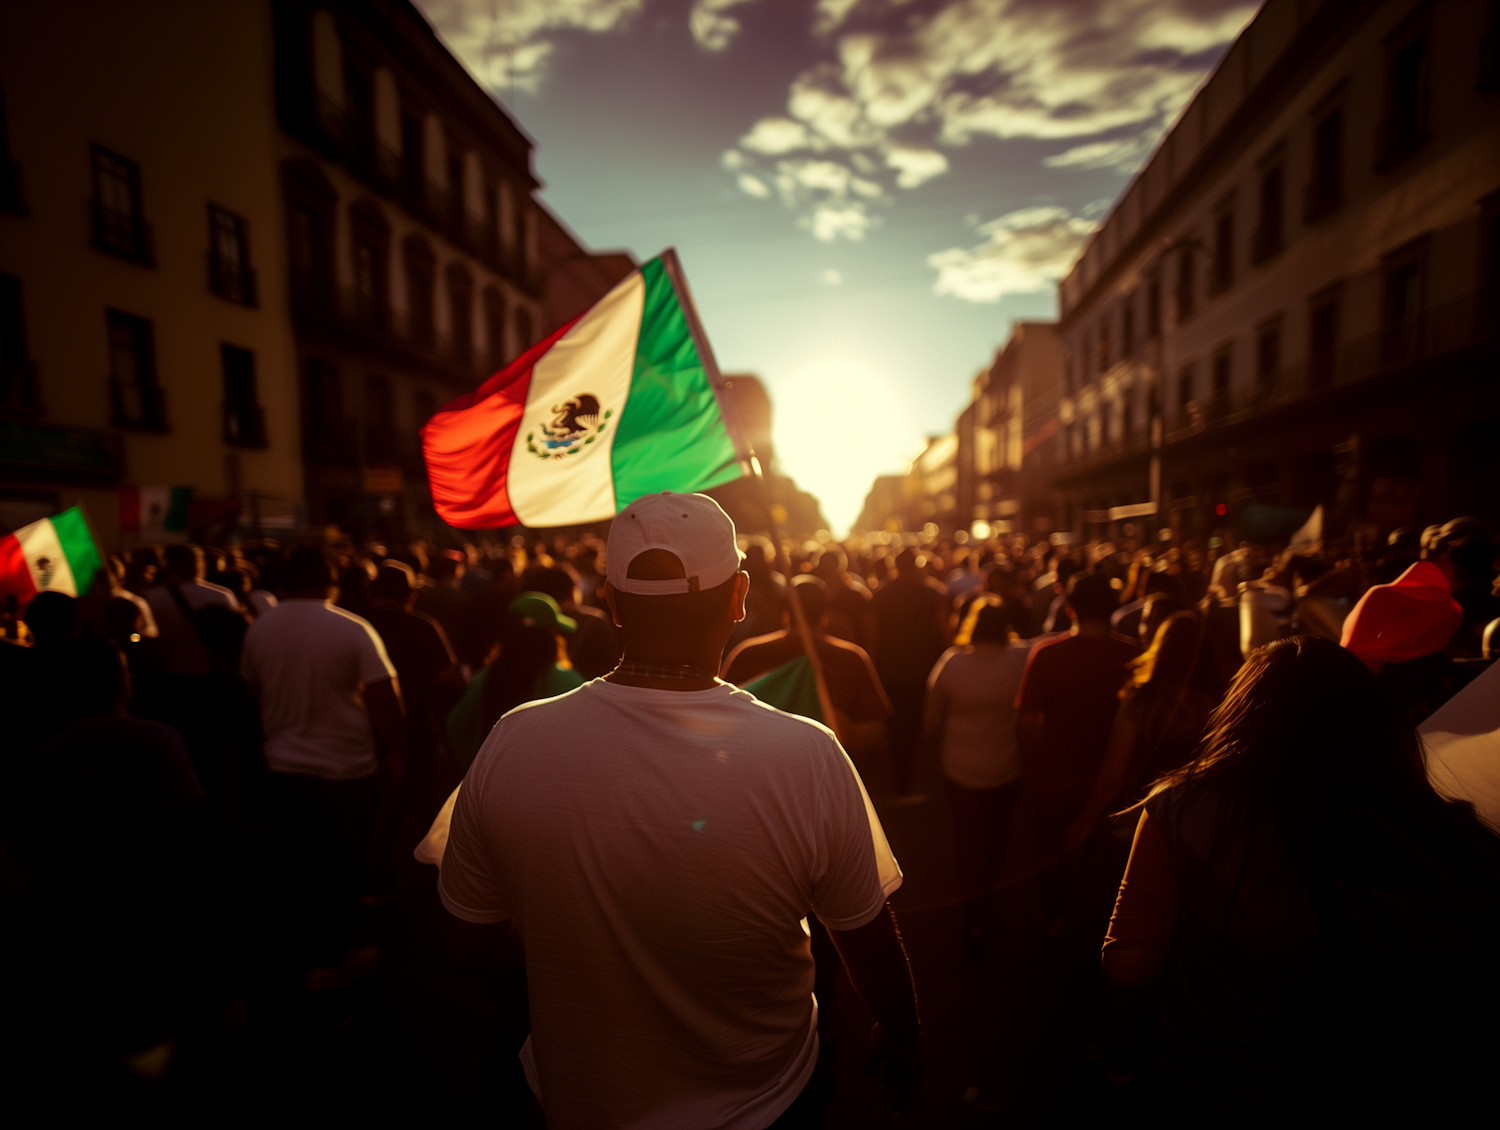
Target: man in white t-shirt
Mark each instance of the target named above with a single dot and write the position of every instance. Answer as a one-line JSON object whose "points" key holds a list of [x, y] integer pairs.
{"points": [[656, 837], [326, 690]]}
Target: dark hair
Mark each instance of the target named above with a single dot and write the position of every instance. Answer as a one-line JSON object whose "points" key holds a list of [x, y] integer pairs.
{"points": [[308, 567], [1091, 596], [683, 613], [96, 678], [991, 624], [52, 617], [812, 594], [559, 583], [180, 556], [1306, 742], [526, 651], [394, 580], [831, 555]]}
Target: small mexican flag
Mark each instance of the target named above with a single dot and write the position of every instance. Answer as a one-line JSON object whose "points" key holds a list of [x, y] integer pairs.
{"points": [[622, 401], [56, 554], [154, 509]]}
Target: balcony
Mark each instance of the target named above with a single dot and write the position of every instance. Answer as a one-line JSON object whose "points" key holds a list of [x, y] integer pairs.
{"points": [[1464, 322], [347, 310]]}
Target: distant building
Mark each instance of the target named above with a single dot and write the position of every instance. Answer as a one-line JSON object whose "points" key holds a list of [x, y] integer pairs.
{"points": [[1295, 301], [885, 506], [1012, 421], [249, 247]]}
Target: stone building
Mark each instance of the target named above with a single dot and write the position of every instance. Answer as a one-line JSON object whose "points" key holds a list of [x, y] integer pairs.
{"points": [[248, 247], [1295, 301]]}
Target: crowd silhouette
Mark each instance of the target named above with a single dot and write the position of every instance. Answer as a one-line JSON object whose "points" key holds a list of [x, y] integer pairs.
{"points": [[1197, 753]]}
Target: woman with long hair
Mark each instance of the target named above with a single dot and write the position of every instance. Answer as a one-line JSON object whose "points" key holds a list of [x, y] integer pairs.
{"points": [[1164, 708], [1318, 922]]}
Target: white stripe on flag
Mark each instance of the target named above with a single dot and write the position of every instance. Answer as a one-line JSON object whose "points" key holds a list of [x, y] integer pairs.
{"points": [[44, 555], [560, 469]]}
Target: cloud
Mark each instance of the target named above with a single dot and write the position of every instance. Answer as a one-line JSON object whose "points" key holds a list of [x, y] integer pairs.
{"points": [[830, 222], [1023, 252], [507, 44], [901, 82], [710, 26], [1127, 154], [915, 165], [753, 186]]}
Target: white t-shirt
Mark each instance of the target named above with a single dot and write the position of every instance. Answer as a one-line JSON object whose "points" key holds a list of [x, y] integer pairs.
{"points": [[659, 851], [181, 651], [312, 661], [976, 687]]}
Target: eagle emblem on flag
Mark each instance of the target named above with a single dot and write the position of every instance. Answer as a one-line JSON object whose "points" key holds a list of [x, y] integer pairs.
{"points": [[576, 423]]}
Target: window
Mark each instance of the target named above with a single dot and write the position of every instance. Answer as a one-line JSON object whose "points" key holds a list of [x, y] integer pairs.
{"points": [[1223, 372], [1153, 308], [135, 397], [119, 228], [419, 298], [1403, 301], [1127, 327], [371, 235], [1325, 191], [244, 422], [380, 421], [413, 156], [461, 313], [1223, 266], [1186, 392], [1267, 355], [18, 384], [1127, 422], [424, 405], [312, 256], [12, 197], [1404, 129], [523, 328], [455, 187], [229, 273], [494, 328], [326, 433], [1186, 282], [359, 111], [1105, 352], [1323, 337], [1267, 241]]}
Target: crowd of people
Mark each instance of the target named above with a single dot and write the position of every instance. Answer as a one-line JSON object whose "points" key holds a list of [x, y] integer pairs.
{"points": [[1230, 727]]}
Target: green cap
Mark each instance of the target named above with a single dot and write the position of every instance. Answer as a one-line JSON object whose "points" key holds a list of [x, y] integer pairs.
{"points": [[539, 608]]}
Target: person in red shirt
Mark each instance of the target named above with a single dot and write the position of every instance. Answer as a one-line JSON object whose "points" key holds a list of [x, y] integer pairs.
{"points": [[1066, 704]]}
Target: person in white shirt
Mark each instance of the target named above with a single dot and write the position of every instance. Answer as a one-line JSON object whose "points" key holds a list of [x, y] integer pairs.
{"points": [[655, 839], [971, 722], [326, 691]]}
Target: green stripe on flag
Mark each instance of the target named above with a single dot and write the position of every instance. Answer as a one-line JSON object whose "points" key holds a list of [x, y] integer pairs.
{"points": [[671, 434], [792, 687], [77, 543]]}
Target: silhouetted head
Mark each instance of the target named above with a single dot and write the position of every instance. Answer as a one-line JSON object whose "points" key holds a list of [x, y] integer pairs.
{"points": [[1091, 597], [184, 563], [812, 594], [1168, 663], [308, 573], [52, 618], [394, 582], [98, 684], [986, 623]]}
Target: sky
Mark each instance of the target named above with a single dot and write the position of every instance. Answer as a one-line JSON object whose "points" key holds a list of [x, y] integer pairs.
{"points": [[864, 193]]}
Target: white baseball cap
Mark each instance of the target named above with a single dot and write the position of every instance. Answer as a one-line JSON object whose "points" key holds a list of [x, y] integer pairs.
{"points": [[692, 526]]}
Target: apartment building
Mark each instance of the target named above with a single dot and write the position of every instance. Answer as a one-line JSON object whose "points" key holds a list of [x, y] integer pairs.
{"points": [[1295, 301], [248, 247]]}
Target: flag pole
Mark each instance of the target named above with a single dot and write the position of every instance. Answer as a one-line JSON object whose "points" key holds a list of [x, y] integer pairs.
{"points": [[752, 468]]}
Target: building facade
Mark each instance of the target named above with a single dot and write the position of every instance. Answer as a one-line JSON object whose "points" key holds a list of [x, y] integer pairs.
{"points": [[1294, 302], [249, 247]]}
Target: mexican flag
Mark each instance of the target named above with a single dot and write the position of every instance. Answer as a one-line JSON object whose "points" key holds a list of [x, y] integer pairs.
{"points": [[792, 687], [56, 554], [154, 509], [622, 401]]}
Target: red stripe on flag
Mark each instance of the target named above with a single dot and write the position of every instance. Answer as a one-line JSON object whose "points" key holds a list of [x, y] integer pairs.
{"points": [[130, 509], [15, 574], [467, 445]]}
